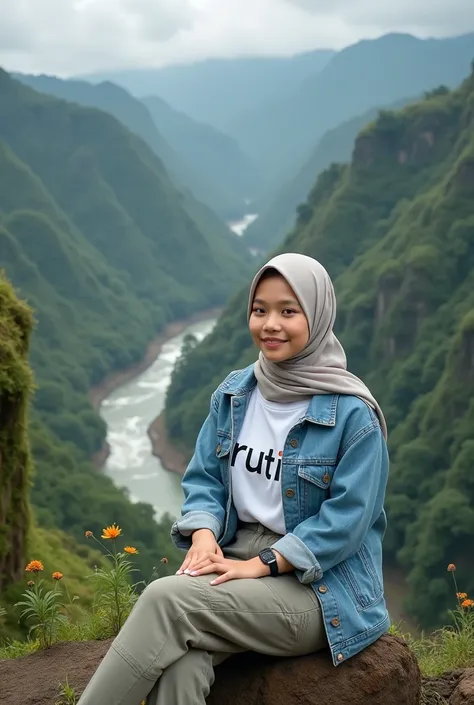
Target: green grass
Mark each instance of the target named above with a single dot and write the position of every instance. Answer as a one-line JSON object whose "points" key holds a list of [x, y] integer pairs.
{"points": [[445, 650]]}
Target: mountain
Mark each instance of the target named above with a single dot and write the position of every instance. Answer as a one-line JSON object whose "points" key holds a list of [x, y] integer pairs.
{"points": [[189, 173], [395, 229], [279, 211], [217, 91], [205, 148], [280, 134], [105, 249]]}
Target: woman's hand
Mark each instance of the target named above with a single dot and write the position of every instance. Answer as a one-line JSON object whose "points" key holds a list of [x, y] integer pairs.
{"points": [[229, 569], [203, 548]]}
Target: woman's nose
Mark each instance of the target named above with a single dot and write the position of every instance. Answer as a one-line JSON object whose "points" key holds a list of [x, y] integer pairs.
{"points": [[272, 322]]}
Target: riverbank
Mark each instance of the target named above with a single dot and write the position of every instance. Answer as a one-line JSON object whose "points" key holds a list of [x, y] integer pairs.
{"points": [[172, 459], [120, 377]]}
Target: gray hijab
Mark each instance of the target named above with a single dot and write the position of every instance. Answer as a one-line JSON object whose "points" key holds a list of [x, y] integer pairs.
{"points": [[320, 368]]}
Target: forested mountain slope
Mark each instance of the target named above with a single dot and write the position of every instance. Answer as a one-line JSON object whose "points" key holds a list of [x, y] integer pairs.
{"points": [[280, 211], [104, 248], [191, 174], [395, 228]]}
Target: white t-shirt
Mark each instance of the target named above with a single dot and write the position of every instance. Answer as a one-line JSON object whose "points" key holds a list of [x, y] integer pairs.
{"points": [[255, 462]]}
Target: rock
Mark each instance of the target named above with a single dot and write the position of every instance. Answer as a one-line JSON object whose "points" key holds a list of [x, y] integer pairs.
{"points": [[384, 674], [464, 693], [455, 688]]}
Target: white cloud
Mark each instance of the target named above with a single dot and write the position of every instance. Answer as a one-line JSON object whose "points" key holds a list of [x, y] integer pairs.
{"points": [[79, 36], [426, 17]]}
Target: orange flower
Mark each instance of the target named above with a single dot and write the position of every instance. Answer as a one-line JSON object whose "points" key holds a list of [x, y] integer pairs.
{"points": [[111, 532], [451, 568], [34, 567], [89, 534], [467, 603], [57, 575], [131, 549], [164, 561], [461, 595]]}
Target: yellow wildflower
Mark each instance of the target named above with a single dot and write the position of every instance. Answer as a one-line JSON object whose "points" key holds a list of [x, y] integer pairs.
{"points": [[111, 532]]}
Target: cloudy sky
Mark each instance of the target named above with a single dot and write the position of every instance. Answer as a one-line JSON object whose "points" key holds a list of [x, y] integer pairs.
{"points": [[79, 36]]}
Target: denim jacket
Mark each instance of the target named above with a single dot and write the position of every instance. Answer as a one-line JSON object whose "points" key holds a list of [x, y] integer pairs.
{"points": [[334, 475]]}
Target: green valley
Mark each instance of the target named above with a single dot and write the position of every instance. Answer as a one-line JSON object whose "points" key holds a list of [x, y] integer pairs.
{"points": [[395, 229]]}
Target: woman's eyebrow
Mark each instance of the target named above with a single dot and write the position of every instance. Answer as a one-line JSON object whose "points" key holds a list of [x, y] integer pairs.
{"points": [[293, 302]]}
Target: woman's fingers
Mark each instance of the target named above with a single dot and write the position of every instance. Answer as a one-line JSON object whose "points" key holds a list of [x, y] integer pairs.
{"points": [[221, 565], [184, 564], [210, 561], [223, 578], [210, 568], [195, 559]]}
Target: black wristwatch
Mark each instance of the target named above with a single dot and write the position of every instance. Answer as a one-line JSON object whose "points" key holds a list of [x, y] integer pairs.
{"points": [[268, 557]]}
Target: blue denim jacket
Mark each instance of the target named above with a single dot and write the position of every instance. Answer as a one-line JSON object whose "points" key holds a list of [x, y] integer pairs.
{"points": [[334, 475]]}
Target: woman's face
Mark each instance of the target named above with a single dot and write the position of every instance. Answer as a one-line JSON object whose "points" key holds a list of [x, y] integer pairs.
{"points": [[277, 323]]}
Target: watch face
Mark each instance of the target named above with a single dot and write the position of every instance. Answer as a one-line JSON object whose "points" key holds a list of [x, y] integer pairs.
{"points": [[267, 555]]}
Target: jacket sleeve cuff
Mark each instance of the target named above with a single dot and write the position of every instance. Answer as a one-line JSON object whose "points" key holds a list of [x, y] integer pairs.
{"points": [[183, 528], [296, 552]]}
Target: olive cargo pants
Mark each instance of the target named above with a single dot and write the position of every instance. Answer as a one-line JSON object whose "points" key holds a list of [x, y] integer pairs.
{"points": [[181, 627]]}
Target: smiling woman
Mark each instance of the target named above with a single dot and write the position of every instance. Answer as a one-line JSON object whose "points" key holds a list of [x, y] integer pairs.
{"points": [[293, 446]]}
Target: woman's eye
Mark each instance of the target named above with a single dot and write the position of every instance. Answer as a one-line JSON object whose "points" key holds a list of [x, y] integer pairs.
{"points": [[258, 310], [288, 311]]}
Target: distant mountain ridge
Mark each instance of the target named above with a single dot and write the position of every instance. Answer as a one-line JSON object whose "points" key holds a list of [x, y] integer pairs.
{"points": [[372, 72], [216, 91]]}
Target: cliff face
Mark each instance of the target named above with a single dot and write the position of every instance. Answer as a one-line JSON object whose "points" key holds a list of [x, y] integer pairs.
{"points": [[395, 229], [15, 386]]}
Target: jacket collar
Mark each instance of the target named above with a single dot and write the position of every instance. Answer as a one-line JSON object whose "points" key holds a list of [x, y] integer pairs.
{"points": [[321, 409]]}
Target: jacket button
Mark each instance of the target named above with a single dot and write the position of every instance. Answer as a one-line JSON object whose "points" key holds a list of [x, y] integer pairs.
{"points": [[219, 448], [294, 443], [236, 402], [335, 622], [340, 657], [322, 588], [290, 493], [326, 478]]}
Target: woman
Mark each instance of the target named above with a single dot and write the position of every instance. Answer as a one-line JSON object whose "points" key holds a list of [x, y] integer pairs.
{"points": [[283, 515]]}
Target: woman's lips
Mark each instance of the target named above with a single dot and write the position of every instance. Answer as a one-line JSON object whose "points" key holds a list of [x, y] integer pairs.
{"points": [[273, 343]]}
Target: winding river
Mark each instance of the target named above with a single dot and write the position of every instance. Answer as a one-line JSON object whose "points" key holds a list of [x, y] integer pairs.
{"points": [[128, 411]]}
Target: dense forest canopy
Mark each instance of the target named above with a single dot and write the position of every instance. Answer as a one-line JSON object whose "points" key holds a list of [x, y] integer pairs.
{"points": [[395, 229]]}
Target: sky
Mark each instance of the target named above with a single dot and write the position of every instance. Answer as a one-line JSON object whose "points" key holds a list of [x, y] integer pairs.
{"points": [[67, 37]]}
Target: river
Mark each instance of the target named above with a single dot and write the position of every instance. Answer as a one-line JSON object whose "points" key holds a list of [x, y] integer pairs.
{"points": [[128, 411]]}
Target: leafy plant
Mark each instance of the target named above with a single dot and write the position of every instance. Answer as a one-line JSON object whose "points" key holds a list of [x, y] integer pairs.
{"points": [[42, 607], [67, 693]]}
